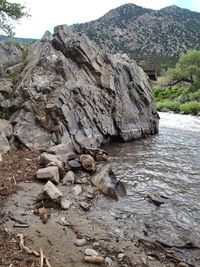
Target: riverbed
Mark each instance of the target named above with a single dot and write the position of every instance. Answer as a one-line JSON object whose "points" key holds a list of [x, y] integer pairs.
{"points": [[167, 164]]}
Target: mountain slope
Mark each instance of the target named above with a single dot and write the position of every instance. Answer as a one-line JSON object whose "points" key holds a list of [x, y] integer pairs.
{"points": [[139, 31]]}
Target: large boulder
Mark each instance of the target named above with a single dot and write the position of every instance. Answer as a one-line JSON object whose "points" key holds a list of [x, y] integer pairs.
{"points": [[72, 91], [9, 54]]}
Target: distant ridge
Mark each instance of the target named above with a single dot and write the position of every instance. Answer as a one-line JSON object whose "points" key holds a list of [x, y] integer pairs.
{"points": [[18, 39], [140, 31]]}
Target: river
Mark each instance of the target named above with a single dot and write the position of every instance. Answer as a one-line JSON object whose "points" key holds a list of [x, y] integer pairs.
{"points": [[167, 164]]}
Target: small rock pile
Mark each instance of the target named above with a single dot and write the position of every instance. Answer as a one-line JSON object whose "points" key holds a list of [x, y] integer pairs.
{"points": [[59, 164]]}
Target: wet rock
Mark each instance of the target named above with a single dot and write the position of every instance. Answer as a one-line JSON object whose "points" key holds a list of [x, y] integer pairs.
{"points": [[74, 164], [94, 259], [80, 242], [91, 252], [77, 190], [49, 191], [69, 178], [85, 205], [88, 162], [65, 203], [157, 200], [104, 182], [47, 159], [48, 173]]}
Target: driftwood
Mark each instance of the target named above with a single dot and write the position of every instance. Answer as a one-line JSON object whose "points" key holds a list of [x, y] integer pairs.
{"points": [[43, 258]]}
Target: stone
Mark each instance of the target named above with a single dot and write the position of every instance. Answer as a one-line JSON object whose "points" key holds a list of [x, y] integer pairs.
{"points": [[94, 259], [182, 264], [5, 134], [157, 200], [15, 69], [91, 252], [9, 54], [85, 205], [77, 190], [47, 159], [88, 162], [49, 191], [95, 245], [74, 164], [108, 261], [65, 204], [120, 256], [48, 173], [70, 90], [104, 182], [61, 149], [69, 178], [80, 242]]}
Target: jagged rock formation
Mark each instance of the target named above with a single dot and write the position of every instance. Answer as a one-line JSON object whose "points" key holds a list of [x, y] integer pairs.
{"points": [[140, 31], [9, 54], [70, 91]]}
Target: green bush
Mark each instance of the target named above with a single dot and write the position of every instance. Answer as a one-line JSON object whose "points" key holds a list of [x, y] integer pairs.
{"points": [[168, 104], [190, 107]]}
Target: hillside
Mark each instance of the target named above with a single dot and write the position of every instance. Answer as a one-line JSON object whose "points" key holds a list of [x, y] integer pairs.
{"points": [[17, 39], [138, 31]]}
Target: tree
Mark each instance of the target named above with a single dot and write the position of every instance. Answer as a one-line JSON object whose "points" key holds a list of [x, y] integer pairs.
{"points": [[9, 13], [187, 69]]}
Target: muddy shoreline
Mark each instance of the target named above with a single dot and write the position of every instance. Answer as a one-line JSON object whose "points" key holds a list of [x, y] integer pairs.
{"points": [[102, 231]]}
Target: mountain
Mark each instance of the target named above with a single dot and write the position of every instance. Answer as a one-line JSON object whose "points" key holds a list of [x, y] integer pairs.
{"points": [[17, 39], [139, 31]]}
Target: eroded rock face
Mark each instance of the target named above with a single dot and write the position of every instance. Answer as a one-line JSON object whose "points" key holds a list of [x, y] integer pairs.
{"points": [[71, 91], [9, 54]]}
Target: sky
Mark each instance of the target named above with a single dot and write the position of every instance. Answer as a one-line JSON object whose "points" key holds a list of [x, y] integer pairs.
{"points": [[46, 14]]}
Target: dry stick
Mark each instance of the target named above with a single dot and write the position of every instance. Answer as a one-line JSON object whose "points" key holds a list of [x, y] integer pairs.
{"points": [[41, 258], [13, 177]]}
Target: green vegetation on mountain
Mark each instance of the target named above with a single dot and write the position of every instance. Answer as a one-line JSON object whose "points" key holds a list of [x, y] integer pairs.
{"points": [[181, 91], [138, 31], [9, 13]]}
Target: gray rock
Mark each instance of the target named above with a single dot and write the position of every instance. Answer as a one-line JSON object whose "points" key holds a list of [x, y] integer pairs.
{"points": [[157, 200], [69, 178], [48, 173], [9, 54], [5, 133], [85, 205], [15, 69], [104, 182], [49, 191], [80, 242], [74, 164], [62, 149], [47, 159], [120, 256], [110, 98], [91, 252], [77, 190], [65, 203]]}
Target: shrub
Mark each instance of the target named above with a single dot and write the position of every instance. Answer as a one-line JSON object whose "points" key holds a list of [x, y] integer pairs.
{"points": [[168, 104], [190, 107]]}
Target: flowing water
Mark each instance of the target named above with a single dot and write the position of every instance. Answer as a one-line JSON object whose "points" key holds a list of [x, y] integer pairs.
{"points": [[167, 164]]}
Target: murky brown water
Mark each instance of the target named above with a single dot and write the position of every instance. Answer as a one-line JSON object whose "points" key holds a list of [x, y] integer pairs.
{"points": [[167, 164]]}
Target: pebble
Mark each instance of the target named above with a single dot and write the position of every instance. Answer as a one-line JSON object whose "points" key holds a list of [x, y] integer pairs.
{"points": [[77, 190], [108, 261], [120, 256], [91, 252], [65, 204], [80, 242], [85, 205]]}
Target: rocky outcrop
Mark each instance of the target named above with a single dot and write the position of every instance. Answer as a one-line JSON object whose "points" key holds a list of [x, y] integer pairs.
{"points": [[71, 91], [9, 54]]}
